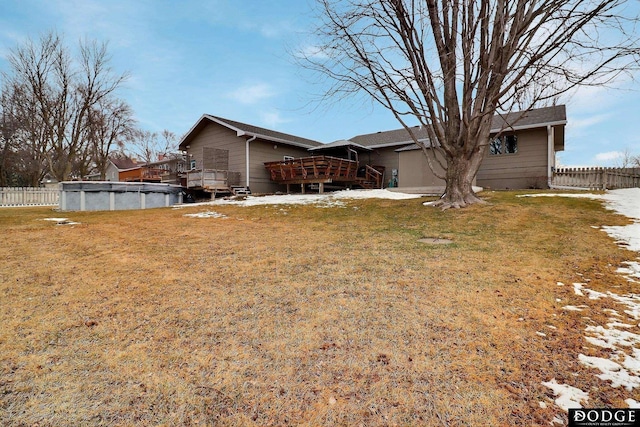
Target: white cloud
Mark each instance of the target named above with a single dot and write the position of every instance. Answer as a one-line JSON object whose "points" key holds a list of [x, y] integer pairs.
{"points": [[609, 156], [272, 118], [252, 94], [313, 52]]}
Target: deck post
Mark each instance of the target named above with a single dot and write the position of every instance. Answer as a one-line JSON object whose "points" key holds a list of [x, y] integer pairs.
{"points": [[288, 188], [302, 188], [321, 187]]}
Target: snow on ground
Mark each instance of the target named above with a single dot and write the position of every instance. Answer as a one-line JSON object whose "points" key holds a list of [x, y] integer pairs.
{"points": [[621, 336], [322, 200], [207, 214], [61, 221], [567, 396]]}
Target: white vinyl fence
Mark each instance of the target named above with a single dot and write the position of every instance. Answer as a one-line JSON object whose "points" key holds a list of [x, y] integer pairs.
{"points": [[597, 178], [29, 196]]}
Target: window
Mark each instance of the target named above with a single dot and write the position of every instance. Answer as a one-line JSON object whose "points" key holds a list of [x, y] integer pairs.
{"points": [[192, 164], [505, 144], [288, 158]]}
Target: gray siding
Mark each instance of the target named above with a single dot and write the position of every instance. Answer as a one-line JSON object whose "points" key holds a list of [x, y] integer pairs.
{"points": [[525, 169], [415, 171], [386, 157], [216, 136], [264, 151]]}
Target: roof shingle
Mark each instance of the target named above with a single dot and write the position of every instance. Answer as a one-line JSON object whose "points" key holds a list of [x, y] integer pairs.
{"points": [[516, 120]]}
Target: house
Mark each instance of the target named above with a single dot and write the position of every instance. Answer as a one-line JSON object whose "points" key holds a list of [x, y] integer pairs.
{"points": [[522, 151], [223, 153], [169, 168], [119, 168], [125, 169]]}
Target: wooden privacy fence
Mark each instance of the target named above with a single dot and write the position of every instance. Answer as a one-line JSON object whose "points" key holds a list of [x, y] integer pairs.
{"points": [[29, 196], [597, 178]]}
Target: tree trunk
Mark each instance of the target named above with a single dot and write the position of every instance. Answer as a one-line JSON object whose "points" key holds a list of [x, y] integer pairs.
{"points": [[460, 174]]}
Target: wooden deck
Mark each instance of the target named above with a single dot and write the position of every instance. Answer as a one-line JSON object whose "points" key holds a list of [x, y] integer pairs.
{"points": [[212, 180], [324, 170]]}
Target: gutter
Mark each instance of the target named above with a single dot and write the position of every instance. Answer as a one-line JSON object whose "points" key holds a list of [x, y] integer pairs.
{"points": [[253, 138]]}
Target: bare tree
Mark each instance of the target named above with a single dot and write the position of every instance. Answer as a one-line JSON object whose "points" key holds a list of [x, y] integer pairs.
{"points": [[111, 124], [453, 64], [151, 146], [23, 160], [63, 92]]}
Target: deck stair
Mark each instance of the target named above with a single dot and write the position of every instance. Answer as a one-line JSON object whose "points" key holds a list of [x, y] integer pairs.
{"points": [[369, 185], [240, 191]]}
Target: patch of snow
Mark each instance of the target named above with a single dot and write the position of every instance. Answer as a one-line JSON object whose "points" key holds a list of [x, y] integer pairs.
{"points": [[616, 324], [627, 235], [374, 194], [542, 334], [632, 403], [577, 288], [61, 221], [560, 284], [632, 362], [207, 214], [324, 200], [631, 301], [567, 396], [631, 272], [573, 308], [612, 312], [611, 371], [612, 338]]}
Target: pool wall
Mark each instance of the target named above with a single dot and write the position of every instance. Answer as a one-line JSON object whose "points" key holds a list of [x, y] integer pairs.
{"points": [[116, 196]]}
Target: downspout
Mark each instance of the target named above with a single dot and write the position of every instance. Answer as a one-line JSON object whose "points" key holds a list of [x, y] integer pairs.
{"points": [[551, 155], [247, 149]]}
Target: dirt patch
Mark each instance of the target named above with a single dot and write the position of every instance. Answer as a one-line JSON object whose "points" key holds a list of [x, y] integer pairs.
{"points": [[435, 241]]}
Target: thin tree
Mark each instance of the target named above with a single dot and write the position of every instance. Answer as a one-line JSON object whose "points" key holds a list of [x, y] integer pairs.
{"points": [[111, 124], [453, 64], [150, 147]]}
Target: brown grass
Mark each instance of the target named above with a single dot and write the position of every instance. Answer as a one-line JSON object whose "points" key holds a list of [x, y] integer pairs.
{"points": [[300, 315]]}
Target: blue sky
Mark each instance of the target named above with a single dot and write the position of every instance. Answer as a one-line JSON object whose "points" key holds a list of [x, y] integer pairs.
{"points": [[230, 58]]}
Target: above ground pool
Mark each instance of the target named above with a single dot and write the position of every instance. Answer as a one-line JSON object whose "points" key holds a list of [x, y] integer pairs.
{"points": [[115, 196]]}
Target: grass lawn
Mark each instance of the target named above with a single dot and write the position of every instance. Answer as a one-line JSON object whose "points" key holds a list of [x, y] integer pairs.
{"points": [[300, 315]]}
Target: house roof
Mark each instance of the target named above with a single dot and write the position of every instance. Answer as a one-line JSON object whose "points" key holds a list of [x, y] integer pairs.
{"points": [[540, 117], [124, 163], [390, 137], [340, 143], [247, 130]]}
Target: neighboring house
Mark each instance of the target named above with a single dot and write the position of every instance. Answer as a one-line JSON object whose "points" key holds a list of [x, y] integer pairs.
{"points": [[169, 168], [122, 169], [522, 153], [49, 181]]}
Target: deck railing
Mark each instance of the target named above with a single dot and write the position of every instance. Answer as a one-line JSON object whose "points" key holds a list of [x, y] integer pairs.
{"points": [[29, 196], [597, 178], [312, 168], [212, 179], [375, 174]]}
